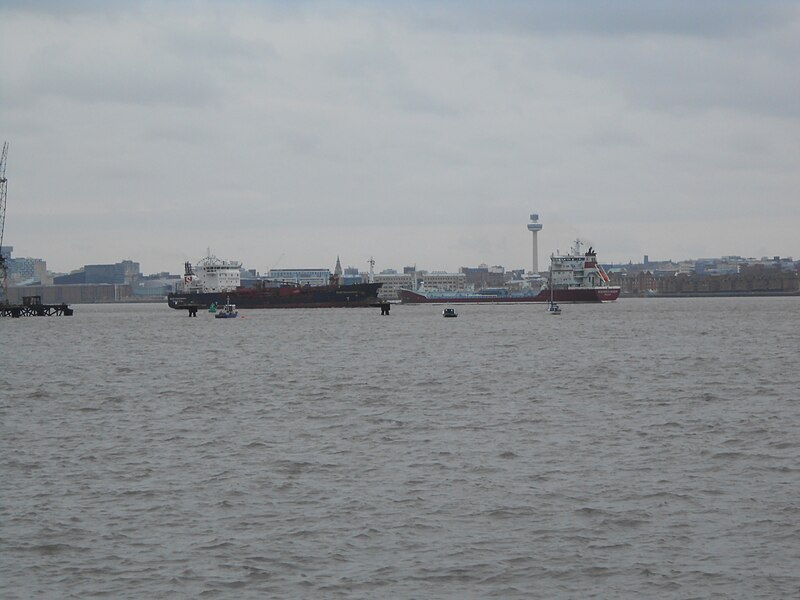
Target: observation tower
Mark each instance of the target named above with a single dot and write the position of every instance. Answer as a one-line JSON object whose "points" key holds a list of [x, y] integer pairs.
{"points": [[535, 227]]}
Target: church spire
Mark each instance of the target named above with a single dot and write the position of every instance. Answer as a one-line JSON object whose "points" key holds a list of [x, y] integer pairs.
{"points": [[337, 271]]}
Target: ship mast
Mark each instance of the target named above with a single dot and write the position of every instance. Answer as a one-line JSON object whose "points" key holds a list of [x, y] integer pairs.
{"points": [[3, 196]]}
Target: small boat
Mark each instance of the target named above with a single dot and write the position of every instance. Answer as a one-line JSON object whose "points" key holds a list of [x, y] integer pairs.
{"points": [[228, 311], [552, 307], [449, 312]]}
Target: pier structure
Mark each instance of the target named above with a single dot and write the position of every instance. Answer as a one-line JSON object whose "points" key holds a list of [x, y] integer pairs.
{"points": [[535, 227], [32, 307]]}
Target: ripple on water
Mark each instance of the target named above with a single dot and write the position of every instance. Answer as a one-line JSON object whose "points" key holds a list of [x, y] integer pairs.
{"points": [[336, 454]]}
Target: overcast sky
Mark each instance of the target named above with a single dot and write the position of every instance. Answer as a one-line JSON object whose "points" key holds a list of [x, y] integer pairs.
{"points": [[283, 134]]}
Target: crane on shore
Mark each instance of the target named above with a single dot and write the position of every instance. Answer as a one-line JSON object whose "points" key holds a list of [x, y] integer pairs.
{"points": [[3, 196]]}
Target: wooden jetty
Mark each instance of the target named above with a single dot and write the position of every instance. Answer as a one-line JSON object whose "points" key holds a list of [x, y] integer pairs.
{"points": [[32, 307]]}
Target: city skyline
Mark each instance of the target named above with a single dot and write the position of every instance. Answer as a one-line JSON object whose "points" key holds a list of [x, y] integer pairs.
{"points": [[246, 266], [421, 133]]}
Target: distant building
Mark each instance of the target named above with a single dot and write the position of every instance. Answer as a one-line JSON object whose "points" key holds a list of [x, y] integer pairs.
{"points": [[709, 276], [477, 278], [125, 272], [638, 283], [156, 286], [484, 276], [442, 280], [122, 272], [411, 279], [301, 276], [756, 279], [392, 281], [351, 276], [75, 278], [28, 271]]}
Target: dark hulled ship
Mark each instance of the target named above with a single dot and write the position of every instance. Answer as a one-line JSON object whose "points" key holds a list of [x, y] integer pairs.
{"points": [[217, 281]]}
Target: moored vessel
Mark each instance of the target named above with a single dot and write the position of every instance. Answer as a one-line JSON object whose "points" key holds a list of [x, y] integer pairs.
{"points": [[214, 281], [575, 277]]}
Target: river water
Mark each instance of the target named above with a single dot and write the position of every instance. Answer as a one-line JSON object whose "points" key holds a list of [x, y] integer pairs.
{"points": [[645, 448]]}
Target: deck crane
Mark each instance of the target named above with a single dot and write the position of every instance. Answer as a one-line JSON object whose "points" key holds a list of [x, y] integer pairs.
{"points": [[3, 195]]}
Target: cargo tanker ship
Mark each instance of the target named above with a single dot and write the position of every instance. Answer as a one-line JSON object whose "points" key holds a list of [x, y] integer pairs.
{"points": [[219, 281], [575, 277]]}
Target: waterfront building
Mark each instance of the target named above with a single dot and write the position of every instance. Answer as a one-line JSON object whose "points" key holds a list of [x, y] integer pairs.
{"points": [[351, 276], [153, 287], [755, 279], [484, 276], [749, 280], [301, 276], [442, 280], [26, 271], [124, 272], [639, 283], [392, 281]]}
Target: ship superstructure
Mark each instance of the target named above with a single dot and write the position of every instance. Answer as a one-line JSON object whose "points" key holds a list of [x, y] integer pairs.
{"points": [[577, 271], [211, 274]]}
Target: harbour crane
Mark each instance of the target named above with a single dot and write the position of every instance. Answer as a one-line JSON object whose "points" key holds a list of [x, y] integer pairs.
{"points": [[3, 195]]}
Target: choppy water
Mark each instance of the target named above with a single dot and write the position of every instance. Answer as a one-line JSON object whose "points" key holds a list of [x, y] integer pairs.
{"points": [[646, 448]]}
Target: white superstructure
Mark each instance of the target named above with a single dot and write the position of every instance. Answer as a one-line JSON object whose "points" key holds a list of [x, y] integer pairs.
{"points": [[577, 270], [211, 274]]}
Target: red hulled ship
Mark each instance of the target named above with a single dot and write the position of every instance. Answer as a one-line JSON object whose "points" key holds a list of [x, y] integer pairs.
{"points": [[574, 277]]}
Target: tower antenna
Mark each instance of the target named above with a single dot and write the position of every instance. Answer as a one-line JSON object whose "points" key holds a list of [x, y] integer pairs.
{"points": [[535, 227]]}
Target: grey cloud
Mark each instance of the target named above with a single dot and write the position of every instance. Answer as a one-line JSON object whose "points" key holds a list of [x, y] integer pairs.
{"points": [[620, 17], [126, 85], [215, 45], [679, 74], [341, 116], [613, 18]]}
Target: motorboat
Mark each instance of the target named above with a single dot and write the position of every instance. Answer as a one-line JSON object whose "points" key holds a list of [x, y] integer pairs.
{"points": [[228, 311]]}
